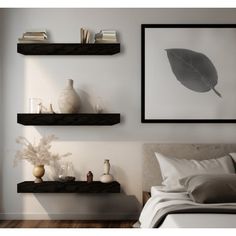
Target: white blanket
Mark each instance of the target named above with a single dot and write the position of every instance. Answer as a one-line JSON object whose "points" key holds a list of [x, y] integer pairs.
{"points": [[162, 200]]}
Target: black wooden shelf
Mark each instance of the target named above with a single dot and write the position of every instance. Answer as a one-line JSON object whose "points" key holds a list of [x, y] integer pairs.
{"points": [[68, 49], [68, 119], [68, 187]]}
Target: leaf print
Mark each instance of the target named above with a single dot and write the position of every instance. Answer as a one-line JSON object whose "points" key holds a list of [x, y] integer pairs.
{"points": [[194, 70]]}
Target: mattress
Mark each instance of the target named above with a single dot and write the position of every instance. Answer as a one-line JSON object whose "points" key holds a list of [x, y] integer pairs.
{"points": [[161, 200], [199, 221]]}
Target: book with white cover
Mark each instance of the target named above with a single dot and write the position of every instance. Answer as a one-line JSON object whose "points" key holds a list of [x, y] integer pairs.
{"points": [[22, 40], [105, 41]]}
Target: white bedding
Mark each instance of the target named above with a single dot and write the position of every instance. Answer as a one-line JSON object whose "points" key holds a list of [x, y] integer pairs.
{"points": [[161, 200], [158, 190], [199, 221]]}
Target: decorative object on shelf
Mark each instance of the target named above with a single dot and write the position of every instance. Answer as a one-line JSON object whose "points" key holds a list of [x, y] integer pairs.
{"points": [[66, 172], [66, 179], [34, 36], [69, 101], [106, 167], [50, 109], [84, 36], [38, 172], [38, 155], [35, 105], [106, 177], [62, 171], [106, 36], [98, 107], [44, 110], [89, 177], [191, 68]]}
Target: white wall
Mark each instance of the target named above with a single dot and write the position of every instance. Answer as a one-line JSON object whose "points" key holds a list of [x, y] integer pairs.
{"points": [[114, 78]]}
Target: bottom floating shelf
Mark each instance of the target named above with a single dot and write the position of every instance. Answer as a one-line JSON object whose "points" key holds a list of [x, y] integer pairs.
{"points": [[68, 119], [68, 187]]}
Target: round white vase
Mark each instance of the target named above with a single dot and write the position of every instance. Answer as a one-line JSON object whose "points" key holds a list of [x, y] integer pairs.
{"points": [[106, 178], [69, 101]]}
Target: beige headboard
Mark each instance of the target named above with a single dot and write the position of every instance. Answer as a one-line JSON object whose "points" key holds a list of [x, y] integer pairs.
{"points": [[151, 169]]}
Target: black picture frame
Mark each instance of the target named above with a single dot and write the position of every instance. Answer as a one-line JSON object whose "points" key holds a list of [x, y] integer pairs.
{"points": [[147, 26]]}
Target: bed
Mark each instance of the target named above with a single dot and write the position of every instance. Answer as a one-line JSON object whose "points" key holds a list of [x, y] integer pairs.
{"points": [[176, 209]]}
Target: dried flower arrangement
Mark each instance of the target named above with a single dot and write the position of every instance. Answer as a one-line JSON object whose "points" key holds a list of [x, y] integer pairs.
{"points": [[37, 154]]}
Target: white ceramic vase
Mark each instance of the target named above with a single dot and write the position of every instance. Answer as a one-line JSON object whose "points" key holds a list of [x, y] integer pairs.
{"points": [[69, 101], [106, 167], [106, 177]]}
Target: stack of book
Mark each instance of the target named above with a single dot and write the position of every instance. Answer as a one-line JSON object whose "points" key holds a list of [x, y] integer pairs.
{"points": [[106, 36], [34, 37]]}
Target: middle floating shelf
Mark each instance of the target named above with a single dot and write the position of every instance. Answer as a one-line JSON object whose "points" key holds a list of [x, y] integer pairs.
{"points": [[68, 48], [68, 119]]}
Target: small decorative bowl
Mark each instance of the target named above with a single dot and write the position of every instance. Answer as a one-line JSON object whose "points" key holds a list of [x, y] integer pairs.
{"points": [[66, 178]]}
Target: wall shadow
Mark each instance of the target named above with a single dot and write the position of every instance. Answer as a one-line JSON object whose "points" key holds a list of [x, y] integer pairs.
{"points": [[1, 109], [11, 101], [102, 206]]}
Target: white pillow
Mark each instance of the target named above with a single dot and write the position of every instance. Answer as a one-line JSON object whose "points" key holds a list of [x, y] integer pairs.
{"points": [[173, 169], [233, 155]]}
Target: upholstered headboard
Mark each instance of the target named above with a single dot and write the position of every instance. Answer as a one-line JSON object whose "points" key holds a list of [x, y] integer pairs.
{"points": [[151, 169]]}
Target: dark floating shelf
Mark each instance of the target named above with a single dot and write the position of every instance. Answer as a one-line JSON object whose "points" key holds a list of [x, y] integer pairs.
{"points": [[67, 49], [68, 119], [68, 187]]}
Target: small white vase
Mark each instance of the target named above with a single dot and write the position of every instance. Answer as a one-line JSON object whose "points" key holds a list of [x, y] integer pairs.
{"points": [[69, 101], [106, 177], [106, 167]]}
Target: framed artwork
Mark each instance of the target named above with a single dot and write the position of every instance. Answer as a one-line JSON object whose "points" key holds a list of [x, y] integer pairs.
{"points": [[188, 73]]}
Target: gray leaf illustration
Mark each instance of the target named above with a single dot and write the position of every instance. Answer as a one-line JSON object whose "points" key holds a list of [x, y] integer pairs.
{"points": [[194, 70]]}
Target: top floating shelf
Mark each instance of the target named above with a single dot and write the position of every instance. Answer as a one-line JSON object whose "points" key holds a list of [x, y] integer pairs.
{"points": [[67, 49]]}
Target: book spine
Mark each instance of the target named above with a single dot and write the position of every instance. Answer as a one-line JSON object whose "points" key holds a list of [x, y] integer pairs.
{"points": [[36, 31], [34, 37], [81, 35], [108, 31], [87, 37], [106, 41], [35, 34], [32, 41]]}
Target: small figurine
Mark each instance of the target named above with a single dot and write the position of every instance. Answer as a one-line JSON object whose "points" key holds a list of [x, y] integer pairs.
{"points": [[44, 110], [98, 107], [50, 109], [89, 177], [39, 108]]}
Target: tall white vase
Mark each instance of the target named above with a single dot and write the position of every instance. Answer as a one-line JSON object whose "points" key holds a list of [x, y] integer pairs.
{"points": [[69, 101], [106, 167], [106, 177]]}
